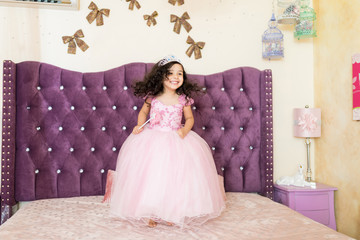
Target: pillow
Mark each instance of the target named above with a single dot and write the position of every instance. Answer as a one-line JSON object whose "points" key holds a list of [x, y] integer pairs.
{"points": [[109, 182]]}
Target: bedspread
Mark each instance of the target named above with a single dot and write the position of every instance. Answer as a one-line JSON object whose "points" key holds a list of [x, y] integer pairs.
{"points": [[247, 216]]}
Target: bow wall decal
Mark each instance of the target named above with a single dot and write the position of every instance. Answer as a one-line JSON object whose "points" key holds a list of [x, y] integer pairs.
{"points": [[132, 3], [180, 21], [98, 14], [173, 2], [151, 18], [195, 47], [72, 46]]}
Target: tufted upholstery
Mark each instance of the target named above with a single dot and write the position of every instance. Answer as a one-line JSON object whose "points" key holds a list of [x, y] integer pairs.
{"points": [[70, 127]]}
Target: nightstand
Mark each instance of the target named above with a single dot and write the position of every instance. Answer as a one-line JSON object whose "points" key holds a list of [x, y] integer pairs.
{"points": [[315, 203]]}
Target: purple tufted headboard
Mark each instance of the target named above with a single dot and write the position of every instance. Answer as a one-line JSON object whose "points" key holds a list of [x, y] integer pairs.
{"points": [[62, 129]]}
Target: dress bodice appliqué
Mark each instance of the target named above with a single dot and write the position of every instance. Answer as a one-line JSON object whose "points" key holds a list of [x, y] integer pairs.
{"points": [[168, 117]]}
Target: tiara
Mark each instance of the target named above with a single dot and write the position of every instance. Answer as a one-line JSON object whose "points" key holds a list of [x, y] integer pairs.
{"points": [[167, 59]]}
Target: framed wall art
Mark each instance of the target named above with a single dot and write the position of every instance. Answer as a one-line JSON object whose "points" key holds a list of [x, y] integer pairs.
{"points": [[356, 86], [52, 4]]}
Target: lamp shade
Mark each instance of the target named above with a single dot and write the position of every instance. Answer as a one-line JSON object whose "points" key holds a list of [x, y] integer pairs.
{"points": [[307, 122]]}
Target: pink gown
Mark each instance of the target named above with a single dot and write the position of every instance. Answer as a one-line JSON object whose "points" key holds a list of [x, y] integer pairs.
{"points": [[166, 178]]}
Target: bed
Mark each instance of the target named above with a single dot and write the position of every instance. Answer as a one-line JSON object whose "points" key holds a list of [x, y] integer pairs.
{"points": [[62, 131]]}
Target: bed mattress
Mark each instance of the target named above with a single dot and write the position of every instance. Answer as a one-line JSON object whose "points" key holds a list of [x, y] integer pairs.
{"points": [[247, 216]]}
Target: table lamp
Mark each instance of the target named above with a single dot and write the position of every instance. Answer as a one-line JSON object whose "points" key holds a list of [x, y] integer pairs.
{"points": [[307, 124]]}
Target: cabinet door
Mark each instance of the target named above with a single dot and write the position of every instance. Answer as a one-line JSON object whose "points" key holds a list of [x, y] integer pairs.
{"points": [[281, 197], [321, 216], [317, 201]]}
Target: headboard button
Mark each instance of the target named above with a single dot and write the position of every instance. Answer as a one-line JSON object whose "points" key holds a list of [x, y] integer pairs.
{"points": [[58, 171], [61, 87], [103, 129], [222, 128], [232, 148], [49, 108], [222, 169], [83, 88], [213, 148], [124, 128], [241, 89], [102, 170], [82, 129], [222, 89], [213, 107], [28, 107], [92, 149], [251, 147], [93, 108], [38, 88], [194, 108], [60, 128], [135, 108], [27, 149], [114, 149], [36, 171], [125, 88], [72, 108], [114, 107], [71, 149], [241, 168], [241, 128], [81, 170], [203, 128], [104, 88], [49, 149], [232, 107], [250, 108], [38, 128]]}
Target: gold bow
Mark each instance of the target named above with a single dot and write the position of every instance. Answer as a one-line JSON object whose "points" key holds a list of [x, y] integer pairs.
{"points": [[195, 47], [72, 46], [98, 14], [173, 2], [132, 3], [151, 18], [180, 21]]}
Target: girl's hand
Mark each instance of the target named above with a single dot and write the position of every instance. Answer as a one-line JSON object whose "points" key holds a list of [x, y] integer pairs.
{"points": [[137, 129], [182, 133]]}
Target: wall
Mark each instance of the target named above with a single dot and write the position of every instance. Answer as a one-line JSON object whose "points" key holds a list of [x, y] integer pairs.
{"points": [[231, 29], [337, 153]]}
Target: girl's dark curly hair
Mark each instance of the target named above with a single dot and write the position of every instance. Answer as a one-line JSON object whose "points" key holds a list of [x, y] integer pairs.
{"points": [[152, 84]]}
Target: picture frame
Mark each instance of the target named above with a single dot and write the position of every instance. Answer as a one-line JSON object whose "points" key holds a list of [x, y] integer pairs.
{"points": [[356, 86], [50, 4]]}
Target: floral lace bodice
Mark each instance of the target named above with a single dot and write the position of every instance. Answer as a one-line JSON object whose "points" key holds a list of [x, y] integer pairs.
{"points": [[168, 117]]}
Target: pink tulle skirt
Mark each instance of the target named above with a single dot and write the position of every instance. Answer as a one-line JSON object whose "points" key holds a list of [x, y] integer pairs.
{"points": [[162, 177]]}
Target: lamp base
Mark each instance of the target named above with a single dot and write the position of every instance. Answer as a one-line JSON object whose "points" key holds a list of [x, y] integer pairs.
{"points": [[308, 172], [311, 184]]}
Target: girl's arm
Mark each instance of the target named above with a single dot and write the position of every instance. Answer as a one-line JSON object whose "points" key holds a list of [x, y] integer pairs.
{"points": [[144, 112], [189, 122]]}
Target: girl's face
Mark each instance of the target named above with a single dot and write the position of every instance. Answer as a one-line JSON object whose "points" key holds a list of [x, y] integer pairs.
{"points": [[175, 78]]}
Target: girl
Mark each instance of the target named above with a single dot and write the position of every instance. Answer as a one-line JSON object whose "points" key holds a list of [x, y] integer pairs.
{"points": [[165, 172]]}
